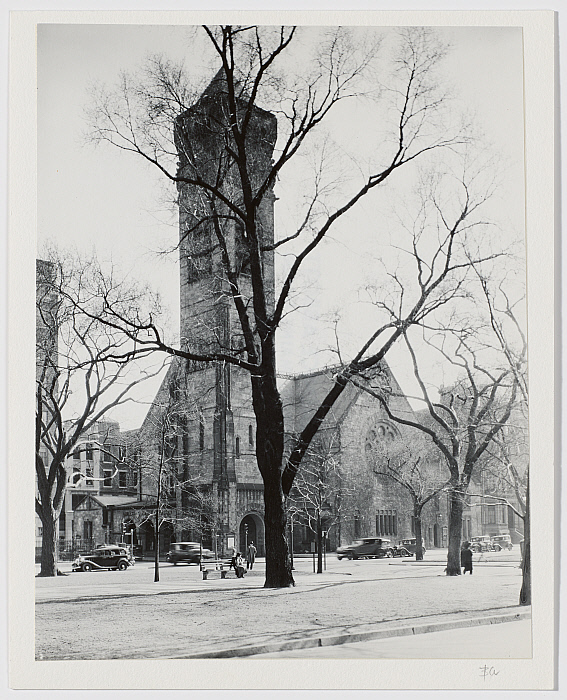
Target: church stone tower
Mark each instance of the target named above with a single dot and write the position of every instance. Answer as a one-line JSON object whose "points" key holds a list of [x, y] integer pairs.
{"points": [[209, 322]]}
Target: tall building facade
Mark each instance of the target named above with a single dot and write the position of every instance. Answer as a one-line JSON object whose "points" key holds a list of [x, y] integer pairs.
{"points": [[218, 430]]}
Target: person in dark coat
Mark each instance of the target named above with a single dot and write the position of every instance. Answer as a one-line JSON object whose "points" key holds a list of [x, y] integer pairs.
{"points": [[250, 556], [466, 558]]}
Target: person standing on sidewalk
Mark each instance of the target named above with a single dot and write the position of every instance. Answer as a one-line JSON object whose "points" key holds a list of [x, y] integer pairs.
{"points": [[250, 556], [466, 558]]}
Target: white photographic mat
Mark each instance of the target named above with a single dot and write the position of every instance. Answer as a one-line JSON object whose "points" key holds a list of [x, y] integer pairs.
{"points": [[61, 190]]}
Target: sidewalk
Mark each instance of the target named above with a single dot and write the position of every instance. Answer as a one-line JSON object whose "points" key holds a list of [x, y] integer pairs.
{"points": [[509, 640]]}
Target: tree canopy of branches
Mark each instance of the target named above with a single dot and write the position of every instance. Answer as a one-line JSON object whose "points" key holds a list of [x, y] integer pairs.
{"points": [[77, 378], [230, 173]]}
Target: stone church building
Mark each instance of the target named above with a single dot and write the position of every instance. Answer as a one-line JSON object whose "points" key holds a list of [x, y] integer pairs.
{"points": [[202, 426]]}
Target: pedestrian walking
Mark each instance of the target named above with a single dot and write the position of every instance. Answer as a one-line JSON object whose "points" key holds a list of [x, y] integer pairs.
{"points": [[466, 558], [250, 556]]}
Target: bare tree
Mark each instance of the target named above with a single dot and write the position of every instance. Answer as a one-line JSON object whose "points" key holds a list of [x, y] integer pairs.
{"points": [[462, 425], [230, 159], [320, 491], [509, 332], [78, 381], [174, 495], [414, 467]]}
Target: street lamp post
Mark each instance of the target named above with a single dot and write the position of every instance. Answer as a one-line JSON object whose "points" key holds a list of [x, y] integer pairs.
{"points": [[291, 541], [324, 533]]}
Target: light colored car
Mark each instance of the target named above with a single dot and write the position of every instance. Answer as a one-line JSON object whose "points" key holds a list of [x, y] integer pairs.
{"points": [[365, 548], [501, 542], [481, 543], [116, 558]]}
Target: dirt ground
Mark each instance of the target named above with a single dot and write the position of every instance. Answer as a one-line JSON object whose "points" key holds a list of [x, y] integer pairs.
{"points": [[177, 624]]}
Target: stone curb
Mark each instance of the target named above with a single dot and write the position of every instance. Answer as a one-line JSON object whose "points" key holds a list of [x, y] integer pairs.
{"points": [[349, 637]]}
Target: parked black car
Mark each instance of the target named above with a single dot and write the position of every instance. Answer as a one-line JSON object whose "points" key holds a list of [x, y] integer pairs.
{"points": [[365, 548], [103, 558], [188, 552], [410, 543]]}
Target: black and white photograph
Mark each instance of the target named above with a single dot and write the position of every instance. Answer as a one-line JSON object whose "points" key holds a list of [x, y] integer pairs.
{"points": [[283, 374]]}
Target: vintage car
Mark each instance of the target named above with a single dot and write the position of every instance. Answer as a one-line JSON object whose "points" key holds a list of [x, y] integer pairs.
{"points": [[188, 552], [410, 543], [501, 542], [106, 557], [366, 548], [481, 543]]}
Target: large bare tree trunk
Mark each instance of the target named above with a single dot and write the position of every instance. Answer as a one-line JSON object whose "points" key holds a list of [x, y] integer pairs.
{"points": [[48, 545], [269, 455], [526, 590], [418, 537], [278, 563], [455, 532]]}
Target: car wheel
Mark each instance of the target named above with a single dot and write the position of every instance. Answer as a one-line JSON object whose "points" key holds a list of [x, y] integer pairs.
{"points": [[87, 567], [389, 553], [350, 556], [339, 558], [497, 548], [122, 566], [174, 563]]}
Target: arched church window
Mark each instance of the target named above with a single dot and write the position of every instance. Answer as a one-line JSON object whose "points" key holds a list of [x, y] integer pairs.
{"points": [[378, 437], [250, 436], [237, 448]]}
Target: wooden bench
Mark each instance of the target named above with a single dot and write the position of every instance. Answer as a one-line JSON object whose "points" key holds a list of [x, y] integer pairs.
{"points": [[214, 570]]}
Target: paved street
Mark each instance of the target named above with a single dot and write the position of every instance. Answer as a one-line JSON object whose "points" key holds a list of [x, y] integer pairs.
{"points": [[103, 615]]}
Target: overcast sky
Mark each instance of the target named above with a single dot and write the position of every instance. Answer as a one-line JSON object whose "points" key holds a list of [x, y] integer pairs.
{"points": [[110, 201]]}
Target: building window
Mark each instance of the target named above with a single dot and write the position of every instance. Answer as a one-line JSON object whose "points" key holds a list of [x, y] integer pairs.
{"points": [[122, 479], [250, 436], [105, 516], [134, 477], [89, 451], [87, 530], [107, 474], [77, 454], [89, 473], [357, 525], [237, 448], [121, 453], [387, 522], [490, 515], [106, 453]]}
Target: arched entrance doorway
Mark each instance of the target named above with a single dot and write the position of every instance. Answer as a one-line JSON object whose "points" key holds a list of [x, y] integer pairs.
{"points": [[251, 530]]}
